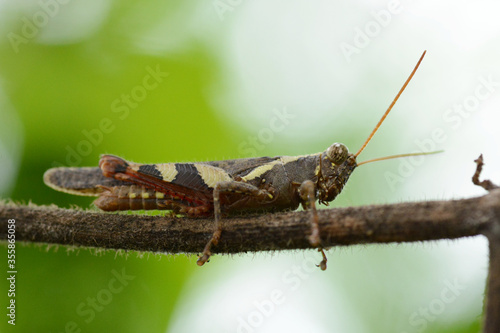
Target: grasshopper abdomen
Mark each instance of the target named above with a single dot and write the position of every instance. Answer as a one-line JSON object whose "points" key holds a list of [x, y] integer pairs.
{"points": [[130, 197], [133, 197]]}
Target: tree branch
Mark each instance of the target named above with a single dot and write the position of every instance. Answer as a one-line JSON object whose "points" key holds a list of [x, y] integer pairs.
{"points": [[402, 222], [492, 300]]}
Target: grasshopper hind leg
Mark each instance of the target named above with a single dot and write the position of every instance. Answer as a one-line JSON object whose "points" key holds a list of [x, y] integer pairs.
{"points": [[307, 193]]}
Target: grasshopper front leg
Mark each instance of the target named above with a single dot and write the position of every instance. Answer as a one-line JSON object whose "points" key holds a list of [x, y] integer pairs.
{"points": [[307, 193], [229, 187]]}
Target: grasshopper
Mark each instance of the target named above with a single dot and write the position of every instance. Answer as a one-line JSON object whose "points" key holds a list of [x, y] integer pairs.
{"points": [[216, 188]]}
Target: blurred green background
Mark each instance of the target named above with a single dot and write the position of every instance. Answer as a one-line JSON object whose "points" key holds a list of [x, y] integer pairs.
{"points": [[76, 82]]}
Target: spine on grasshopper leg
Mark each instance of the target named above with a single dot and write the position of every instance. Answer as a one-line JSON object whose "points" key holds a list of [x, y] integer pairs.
{"points": [[131, 197]]}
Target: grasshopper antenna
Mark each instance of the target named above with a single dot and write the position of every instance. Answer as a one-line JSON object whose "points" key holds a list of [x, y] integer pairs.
{"points": [[390, 107], [400, 155]]}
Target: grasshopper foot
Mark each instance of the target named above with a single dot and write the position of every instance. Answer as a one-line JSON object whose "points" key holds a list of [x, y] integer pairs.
{"points": [[206, 251], [203, 259], [322, 264]]}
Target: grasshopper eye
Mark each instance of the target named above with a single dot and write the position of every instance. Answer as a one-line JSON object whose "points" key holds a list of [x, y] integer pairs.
{"points": [[337, 153]]}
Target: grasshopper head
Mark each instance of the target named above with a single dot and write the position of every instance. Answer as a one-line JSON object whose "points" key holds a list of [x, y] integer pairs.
{"points": [[336, 166], [337, 163]]}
